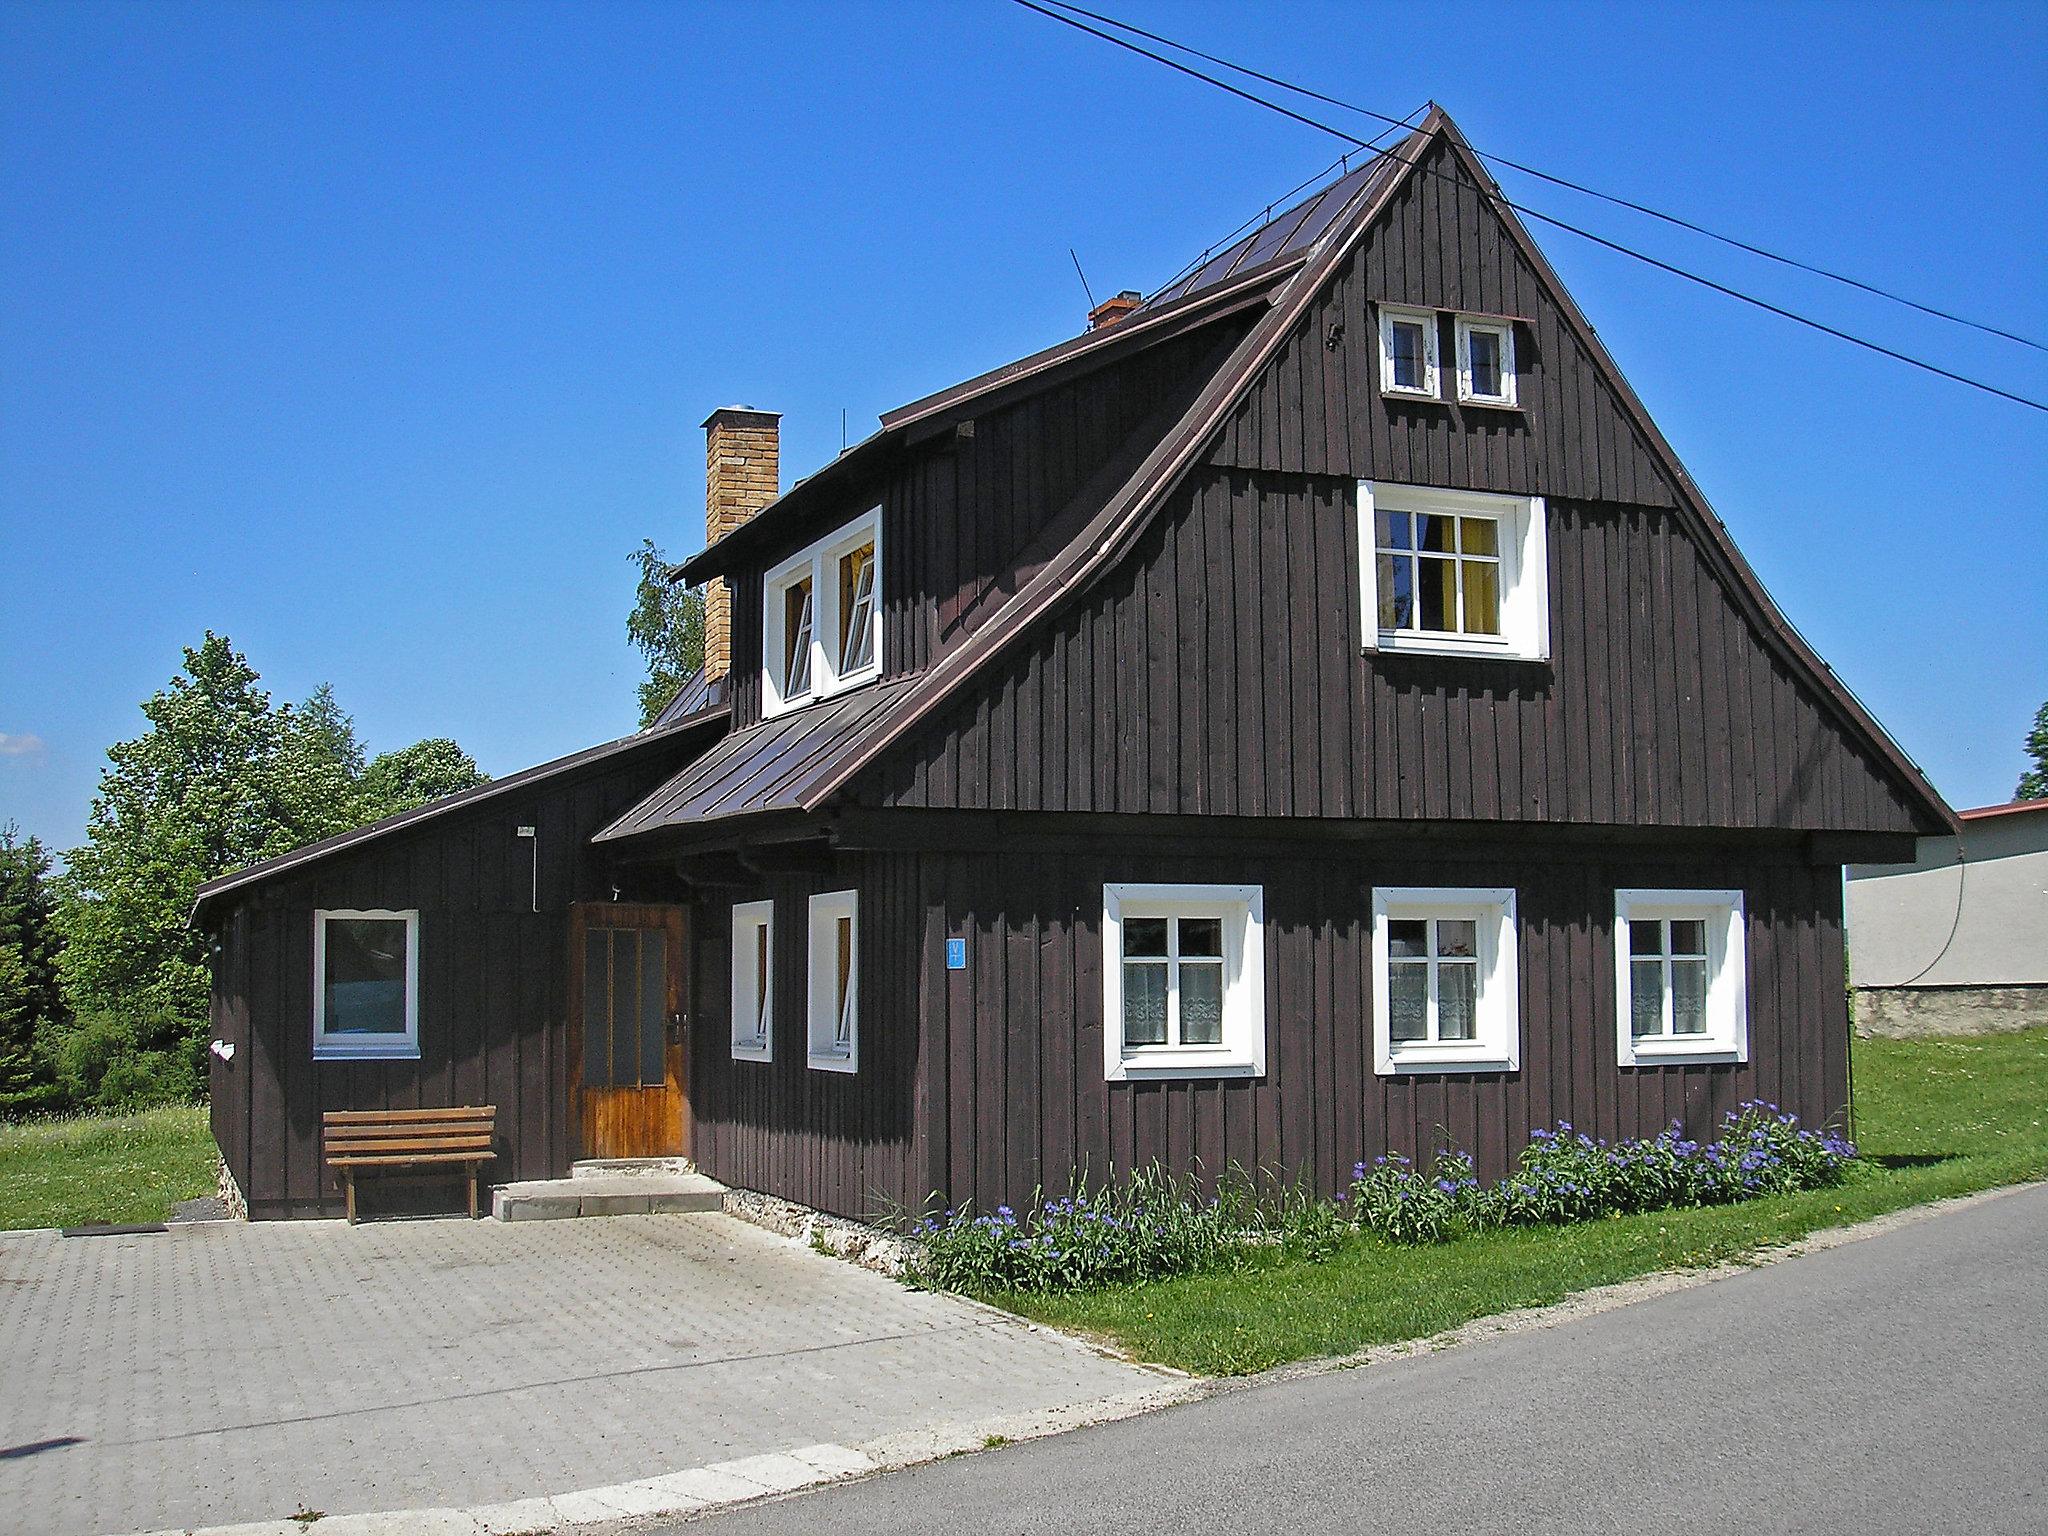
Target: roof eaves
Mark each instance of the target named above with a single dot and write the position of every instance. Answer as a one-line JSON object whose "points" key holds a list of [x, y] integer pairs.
{"points": [[2009, 808]]}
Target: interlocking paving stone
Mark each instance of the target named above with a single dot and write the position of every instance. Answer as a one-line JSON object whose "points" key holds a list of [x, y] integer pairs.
{"points": [[219, 1373]]}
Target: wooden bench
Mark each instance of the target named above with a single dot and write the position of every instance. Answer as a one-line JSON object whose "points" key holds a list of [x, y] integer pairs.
{"points": [[407, 1138]]}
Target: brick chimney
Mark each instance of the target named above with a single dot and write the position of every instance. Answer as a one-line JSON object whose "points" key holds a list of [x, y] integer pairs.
{"points": [[742, 462], [1111, 310]]}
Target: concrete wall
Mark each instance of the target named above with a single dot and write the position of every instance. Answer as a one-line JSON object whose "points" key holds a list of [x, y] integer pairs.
{"points": [[1993, 894], [1905, 1012]]}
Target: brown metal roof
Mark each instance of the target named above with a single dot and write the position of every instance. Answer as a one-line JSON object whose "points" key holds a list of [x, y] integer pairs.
{"points": [[2010, 808], [773, 766], [697, 694]]}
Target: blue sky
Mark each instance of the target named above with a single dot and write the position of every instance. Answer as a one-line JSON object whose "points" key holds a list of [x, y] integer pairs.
{"points": [[376, 336]]}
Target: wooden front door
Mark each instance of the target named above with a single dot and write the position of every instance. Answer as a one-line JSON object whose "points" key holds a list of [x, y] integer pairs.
{"points": [[628, 993]]}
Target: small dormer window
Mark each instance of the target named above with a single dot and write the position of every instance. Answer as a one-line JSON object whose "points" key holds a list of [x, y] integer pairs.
{"points": [[1408, 353], [1486, 361], [822, 623]]}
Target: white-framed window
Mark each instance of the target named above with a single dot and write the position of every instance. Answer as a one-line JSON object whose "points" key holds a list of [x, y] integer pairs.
{"points": [[821, 630], [1453, 573], [1486, 361], [366, 985], [1681, 977], [1445, 989], [834, 1010], [1183, 981], [753, 981], [1408, 353]]}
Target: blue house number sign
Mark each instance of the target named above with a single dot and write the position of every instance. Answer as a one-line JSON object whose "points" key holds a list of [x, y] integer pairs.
{"points": [[956, 954]]}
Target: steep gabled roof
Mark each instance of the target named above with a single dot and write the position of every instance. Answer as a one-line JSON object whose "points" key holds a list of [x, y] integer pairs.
{"points": [[1309, 243]]}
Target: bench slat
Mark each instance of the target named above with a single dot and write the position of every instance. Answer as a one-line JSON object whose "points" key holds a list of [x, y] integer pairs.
{"points": [[408, 1144], [407, 1159], [399, 1116]]}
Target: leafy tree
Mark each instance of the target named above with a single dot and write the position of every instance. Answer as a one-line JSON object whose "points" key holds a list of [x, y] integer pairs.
{"points": [[2033, 783], [31, 1002], [220, 779], [412, 776], [667, 627]]}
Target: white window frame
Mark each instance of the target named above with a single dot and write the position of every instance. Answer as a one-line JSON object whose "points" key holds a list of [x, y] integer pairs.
{"points": [[820, 562], [824, 1052], [1505, 330], [1242, 1051], [753, 987], [356, 1047], [1727, 1036], [1496, 1045], [1433, 387], [1524, 545]]}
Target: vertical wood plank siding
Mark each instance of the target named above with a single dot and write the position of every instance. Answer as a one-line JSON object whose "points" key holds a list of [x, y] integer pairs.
{"points": [[1220, 671], [492, 988], [834, 1140], [1316, 407], [958, 514], [1013, 1044]]}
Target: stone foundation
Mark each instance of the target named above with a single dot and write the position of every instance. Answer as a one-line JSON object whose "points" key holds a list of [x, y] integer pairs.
{"points": [[230, 1192], [1905, 1013], [854, 1241]]}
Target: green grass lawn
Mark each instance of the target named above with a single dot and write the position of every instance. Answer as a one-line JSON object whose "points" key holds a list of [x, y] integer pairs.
{"points": [[111, 1168], [1934, 1118]]}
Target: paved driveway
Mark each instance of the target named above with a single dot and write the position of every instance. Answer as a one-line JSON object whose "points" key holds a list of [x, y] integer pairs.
{"points": [[226, 1372]]}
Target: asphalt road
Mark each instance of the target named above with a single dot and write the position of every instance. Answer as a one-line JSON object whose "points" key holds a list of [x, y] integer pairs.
{"points": [[1898, 1383]]}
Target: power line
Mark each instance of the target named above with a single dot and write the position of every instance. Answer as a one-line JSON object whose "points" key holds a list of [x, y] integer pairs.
{"points": [[1585, 234], [1569, 185]]}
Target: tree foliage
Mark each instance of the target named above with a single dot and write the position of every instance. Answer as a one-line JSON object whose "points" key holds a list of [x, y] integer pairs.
{"points": [[221, 778], [2033, 783], [667, 627], [412, 776], [31, 1001]]}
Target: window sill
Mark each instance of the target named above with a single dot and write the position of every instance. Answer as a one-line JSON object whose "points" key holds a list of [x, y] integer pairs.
{"points": [[372, 1053], [834, 1063], [751, 1052], [1168, 1065], [1415, 1061], [1404, 644], [1413, 396], [1514, 406], [771, 707], [1663, 1053]]}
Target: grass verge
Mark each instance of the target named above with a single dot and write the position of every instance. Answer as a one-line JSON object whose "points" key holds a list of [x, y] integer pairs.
{"points": [[1935, 1118], [104, 1168]]}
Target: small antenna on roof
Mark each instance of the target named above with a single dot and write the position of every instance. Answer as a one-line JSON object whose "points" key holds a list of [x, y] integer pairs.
{"points": [[842, 429], [1084, 278]]}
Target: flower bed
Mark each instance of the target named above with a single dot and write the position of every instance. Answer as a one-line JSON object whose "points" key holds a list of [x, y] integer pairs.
{"points": [[1156, 1224]]}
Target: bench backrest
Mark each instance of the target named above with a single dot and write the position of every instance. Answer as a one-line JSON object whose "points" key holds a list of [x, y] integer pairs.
{"points": [[397, 1133]]}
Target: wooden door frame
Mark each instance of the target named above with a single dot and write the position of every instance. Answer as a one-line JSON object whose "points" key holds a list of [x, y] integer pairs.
{"points": [[673, 919]]}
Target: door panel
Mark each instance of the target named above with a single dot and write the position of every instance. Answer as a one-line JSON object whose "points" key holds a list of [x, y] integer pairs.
{"points": [[628, 998]]}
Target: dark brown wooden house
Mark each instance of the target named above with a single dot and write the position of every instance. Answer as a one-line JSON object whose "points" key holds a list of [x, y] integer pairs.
{"points": [[1312, 712]]}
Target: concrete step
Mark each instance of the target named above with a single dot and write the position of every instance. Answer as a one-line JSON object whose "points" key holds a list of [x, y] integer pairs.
{"points": [[640, 1194], [630, 1167]]}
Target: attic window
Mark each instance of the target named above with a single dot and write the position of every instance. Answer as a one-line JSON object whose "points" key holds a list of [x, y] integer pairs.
{"points": [[1458, 573], [1486, 361], [1408, 353], [821, 610]]}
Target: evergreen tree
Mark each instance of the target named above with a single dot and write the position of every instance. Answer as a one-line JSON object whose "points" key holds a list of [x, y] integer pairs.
{"points": [[31, 1002], [2033, 783], [412, 776], [667, 627]]}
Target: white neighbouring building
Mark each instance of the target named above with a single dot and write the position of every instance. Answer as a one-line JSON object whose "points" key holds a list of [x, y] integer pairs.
{"points": [[1955, 942]]}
